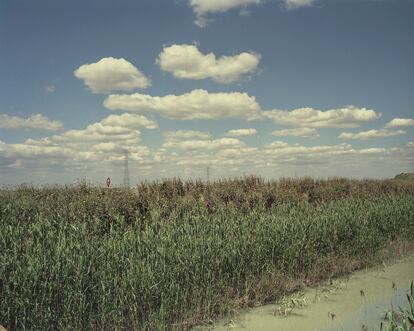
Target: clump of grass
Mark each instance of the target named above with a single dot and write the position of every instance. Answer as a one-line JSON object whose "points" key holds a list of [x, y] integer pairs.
{"points": [[172, 254], [287, 304], [402, 320]]}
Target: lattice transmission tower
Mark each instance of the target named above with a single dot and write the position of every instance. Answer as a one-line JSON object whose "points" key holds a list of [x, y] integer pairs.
{"points": [[126, 169]]}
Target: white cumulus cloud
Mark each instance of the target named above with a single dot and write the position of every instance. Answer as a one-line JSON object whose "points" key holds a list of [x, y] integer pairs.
{"points": [[241, 133], [202, 8], [111, 74], [347, 117], [400, 122], [197, 104], [297, 132], [186, 61], [34, 121], [370, 134]]}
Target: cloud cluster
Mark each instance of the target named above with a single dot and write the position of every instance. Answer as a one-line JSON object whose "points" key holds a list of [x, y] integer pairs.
{"points": [[111, 74], [121, 129], [202, 8], [98, 144], [35, 121], [370, 134], [347, 117], [283, 159], [241, 133], [400, 122], [297, 132], [197, 104], [227, 156], [186, 61]]}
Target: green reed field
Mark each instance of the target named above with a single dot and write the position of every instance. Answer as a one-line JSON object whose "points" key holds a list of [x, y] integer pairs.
{"points": [[173, 254]]}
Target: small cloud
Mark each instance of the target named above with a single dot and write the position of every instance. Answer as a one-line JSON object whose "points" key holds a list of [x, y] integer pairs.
{"points": [[130, 121], [370, 134], [346, 117], [297, 132], [204, 145], [34, 121], [294, 4], [400, 122], [202, 8], [50, 88], [186, 134], [241, 133], [245, 12]]}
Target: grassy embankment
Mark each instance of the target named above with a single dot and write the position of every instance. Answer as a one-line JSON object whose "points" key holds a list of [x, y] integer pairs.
{"points": [[173, 254]]}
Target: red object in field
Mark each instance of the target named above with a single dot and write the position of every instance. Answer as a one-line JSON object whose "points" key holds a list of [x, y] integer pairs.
{"points": [[108, 182]]}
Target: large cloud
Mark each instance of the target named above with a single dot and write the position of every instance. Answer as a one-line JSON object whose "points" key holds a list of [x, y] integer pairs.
{"points": [[370, 134], [400, 122], [111, 74], [186, 61], [347, 117], [35, 121], [297, 132], [204, 7], [198, 104]]}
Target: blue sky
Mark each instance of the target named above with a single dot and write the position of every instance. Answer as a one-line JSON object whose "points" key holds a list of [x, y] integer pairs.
{"points": [[326, 77]]}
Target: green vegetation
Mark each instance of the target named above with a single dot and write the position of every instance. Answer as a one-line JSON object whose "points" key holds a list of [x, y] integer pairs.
{"points": [[405, 176], [403, 320], [173, 254]]}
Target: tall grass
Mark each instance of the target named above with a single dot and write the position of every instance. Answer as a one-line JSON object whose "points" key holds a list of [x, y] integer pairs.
{"points": [[172, 254]]}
